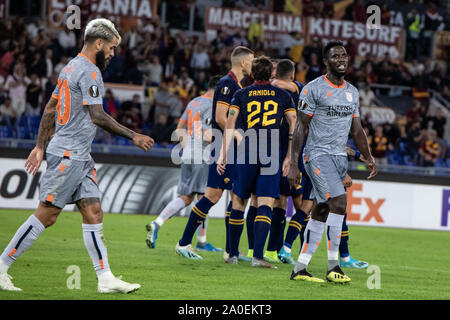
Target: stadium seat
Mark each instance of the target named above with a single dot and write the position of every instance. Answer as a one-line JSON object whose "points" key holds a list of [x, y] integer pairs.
{"points": [[439, 163], [22, 132], [408, 162], [33, 123], [448, 162], [6, 132]]}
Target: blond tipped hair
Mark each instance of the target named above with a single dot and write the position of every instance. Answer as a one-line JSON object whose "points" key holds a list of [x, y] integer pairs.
{"points": [[101, 28]]}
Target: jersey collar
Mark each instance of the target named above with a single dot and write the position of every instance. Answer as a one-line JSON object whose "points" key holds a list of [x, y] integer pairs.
{"points": [[232, 75], [333, 85], [84, 56], [261, 83]]}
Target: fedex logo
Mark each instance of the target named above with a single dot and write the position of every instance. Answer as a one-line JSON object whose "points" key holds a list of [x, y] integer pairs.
{"points": [[373, 205], [445, 207]]}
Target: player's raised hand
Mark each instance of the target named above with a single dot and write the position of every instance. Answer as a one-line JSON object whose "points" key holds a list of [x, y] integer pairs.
{"points": [[34, 160], [142, 141], [293, 174], [373, 168]]}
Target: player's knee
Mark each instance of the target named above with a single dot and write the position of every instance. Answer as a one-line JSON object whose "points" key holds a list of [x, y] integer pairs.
{"points": [[306, 206], [338, 205], [321, 212], [50, 220], [297, 202], [213, 195], [187, 199]]}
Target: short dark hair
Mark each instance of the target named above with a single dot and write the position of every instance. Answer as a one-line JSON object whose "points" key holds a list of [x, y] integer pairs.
{"points": [[285, 68], [262, 68], [329, 45], [213, 81], [241, 50]]}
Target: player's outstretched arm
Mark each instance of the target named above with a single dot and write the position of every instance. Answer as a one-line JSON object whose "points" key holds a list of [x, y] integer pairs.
{"points": [[301, 128], [45, 127], [106, 122], [360, 139]]}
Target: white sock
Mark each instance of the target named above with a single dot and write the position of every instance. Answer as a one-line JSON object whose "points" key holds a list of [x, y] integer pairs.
{"points": [[313, 235], [170, 210], [3, 267], [105, 276], [28, 232], [333, 231], [201, 232], [345, 259], [93, 240]]}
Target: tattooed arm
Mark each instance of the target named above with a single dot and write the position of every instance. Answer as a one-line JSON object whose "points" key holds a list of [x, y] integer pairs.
{"points": [[106, 122], [45, 127]]}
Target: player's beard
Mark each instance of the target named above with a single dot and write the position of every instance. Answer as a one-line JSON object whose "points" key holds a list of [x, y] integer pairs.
{"points": [[100, 60]]}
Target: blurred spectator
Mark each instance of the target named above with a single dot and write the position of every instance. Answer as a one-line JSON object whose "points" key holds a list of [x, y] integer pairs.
{"points": [[413, 39], [8, 115], [446, 92], [359, 12], [132, 119], [111, 105], [413, 114], [48, 63], [153, 72], [50, 86], [202, 82], [16, 84], [199, 60], [132, 38], [378, 145], [169, 68], [61, 64], [132, 74], [429, 149], [185, 82], [392, 133], [67, 41], [438, 122], [34, 90], [7, 61], [255, 33], [414, 139], [314, 69], [162, 131], [367, 96], [128, 105], [291, 46], [385, 15], [37, 66], [301, 70], [314, 47], [160, 104]]}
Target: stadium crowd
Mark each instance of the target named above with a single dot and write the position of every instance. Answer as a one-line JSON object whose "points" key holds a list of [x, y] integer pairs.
{"points": [[178, 66]]}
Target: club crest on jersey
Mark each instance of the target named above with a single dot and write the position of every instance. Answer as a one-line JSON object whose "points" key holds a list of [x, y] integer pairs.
{"points": [[225, 90], [349, 96], [93, 91]]}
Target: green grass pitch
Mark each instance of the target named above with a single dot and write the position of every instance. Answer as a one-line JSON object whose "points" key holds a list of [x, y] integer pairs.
{"points": [[413, 264]]}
